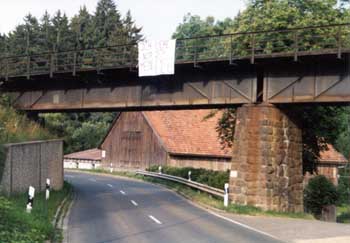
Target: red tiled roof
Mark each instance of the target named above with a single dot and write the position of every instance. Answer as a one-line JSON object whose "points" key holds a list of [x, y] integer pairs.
{"points": [[91, 154], [187, 132], [331, 155]]}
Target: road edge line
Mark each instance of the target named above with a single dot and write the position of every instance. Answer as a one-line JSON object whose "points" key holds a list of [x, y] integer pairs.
{"points": [[242, 225]]}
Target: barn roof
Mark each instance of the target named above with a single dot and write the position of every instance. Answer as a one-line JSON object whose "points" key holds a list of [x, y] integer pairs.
{"points": [[90, 154], [187, 132], [331, 155]]}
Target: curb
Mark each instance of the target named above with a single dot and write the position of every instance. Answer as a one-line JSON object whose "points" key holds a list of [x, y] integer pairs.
{"points": [[61, 212]]}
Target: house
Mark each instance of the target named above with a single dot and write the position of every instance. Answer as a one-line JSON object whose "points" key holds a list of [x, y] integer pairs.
{"points": [[179, 138], [329, 162], [88, 159]]}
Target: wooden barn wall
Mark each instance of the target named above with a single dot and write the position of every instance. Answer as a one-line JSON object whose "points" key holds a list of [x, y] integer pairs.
{"points": [[131, 144], [217, 164], [329, 171]]}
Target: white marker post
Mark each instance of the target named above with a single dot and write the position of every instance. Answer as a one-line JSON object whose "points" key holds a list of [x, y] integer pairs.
{"points": [[189, 175], [160, 169], [30, 201], [47, 192], [111, 169], [226, 195]]}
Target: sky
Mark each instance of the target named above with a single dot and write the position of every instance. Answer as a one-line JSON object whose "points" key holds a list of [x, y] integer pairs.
{"points": [[159, 18]]}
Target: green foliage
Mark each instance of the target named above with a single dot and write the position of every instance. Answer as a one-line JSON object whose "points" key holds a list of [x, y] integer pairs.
{"points": [[343, 187], [80, 131], [59, 33], [318, 193], [17, 226], [211, 178], [16, 127], [320, 125]]}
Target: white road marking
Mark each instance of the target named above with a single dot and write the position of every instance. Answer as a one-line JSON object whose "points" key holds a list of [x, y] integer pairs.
{"points": [[154, 219], [110, 185], [93, 180], [133, 202], [69, 176], [243, 225], [122, 192]]}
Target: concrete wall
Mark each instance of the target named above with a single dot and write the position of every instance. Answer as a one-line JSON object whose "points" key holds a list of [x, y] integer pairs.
{"points": [[29, 164]]}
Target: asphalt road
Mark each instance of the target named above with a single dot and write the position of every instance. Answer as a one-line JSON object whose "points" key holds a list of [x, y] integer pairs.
{"points": [[121, 210]]}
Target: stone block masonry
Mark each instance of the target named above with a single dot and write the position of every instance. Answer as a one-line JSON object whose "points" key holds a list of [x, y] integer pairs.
{"points": [[29, 164], [266, 168]]}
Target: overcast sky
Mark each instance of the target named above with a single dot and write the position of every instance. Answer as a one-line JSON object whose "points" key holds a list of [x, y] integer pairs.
{"points": [[159, 18]]}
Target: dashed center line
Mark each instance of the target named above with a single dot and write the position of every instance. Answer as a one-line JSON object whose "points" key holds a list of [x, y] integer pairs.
{"points": [[109, 185], [122, 192], [154, 219], [92, 180], [133, 202]]}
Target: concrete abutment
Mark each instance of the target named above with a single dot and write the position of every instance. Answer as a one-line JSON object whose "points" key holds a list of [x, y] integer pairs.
{"points": [[267, 160]]}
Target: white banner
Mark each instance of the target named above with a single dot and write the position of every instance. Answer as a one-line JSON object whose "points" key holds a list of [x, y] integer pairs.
{"points": [[156, 58]]}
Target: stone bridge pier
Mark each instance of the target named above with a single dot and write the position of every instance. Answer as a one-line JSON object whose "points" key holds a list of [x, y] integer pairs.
{"points": [[267, 160]]}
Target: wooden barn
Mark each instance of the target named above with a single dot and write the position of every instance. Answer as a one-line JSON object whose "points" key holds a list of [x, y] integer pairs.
{"points": [[138, 140]]}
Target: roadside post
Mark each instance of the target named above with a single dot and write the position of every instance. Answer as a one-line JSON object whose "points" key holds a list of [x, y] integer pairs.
{"points": [[189, 175], [47, 192], [226, 195], [30, 201], [160, 169], [111, 168]]}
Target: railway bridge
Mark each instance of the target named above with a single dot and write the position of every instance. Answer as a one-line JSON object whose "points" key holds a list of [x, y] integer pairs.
{"points": [[253, 71]]}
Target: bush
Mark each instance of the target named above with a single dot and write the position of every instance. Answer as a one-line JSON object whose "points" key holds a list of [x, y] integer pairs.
{"points": [[211, 178], [343, 190], [318, 193]]}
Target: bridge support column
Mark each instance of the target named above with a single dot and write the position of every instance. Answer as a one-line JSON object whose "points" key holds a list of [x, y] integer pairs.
{"points": [[267, 160]]}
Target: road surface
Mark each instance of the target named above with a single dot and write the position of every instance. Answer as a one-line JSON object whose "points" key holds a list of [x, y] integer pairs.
{"points": [[110, 210]]}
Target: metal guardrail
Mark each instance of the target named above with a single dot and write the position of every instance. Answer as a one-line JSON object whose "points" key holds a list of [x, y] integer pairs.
{"points": [[193, 184], [296, 42]]}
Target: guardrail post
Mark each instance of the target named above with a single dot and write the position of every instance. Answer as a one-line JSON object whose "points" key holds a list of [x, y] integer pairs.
{"points": [[47, 192], [74, 63], [195, 56], [226, 195], [189, 175], [296, 46], [252, 60], [28, 67], [7, 70], [51, 65], [231, 50], [30, 201], [160, 169], [339, 43]]}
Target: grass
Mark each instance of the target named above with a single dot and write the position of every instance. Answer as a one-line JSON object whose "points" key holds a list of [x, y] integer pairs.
{"points": [[206, 199], [343, 214], [17, 226]]}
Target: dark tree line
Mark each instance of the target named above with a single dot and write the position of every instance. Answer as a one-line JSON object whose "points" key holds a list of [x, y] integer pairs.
{"points": [[58, 33]]}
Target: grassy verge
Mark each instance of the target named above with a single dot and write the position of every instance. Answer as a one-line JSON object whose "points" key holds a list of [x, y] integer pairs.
{"points": [[17, 226], [343, 214], [206, 199]]}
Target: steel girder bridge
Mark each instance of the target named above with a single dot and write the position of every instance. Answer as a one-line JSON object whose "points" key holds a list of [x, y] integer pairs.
{"points": [[301, 65]]}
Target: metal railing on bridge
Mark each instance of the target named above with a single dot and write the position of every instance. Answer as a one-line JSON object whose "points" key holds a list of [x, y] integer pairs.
{"points": [[296, 42]]}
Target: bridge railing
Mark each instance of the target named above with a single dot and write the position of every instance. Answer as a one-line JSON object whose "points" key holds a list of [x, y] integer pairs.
{"points": [[331, 39]]}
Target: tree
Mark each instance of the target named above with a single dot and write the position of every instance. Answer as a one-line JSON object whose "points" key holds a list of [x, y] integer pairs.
{"points": [[318, 193], [320, 124], [194, 26]]}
